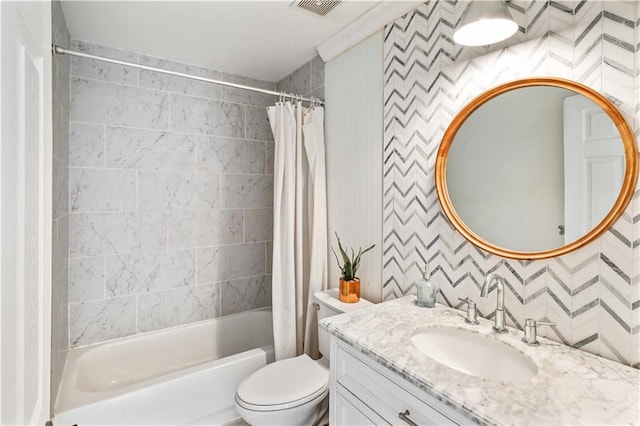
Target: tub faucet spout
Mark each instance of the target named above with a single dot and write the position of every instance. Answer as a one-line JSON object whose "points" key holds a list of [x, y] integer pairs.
{"points": [[484, 292]]}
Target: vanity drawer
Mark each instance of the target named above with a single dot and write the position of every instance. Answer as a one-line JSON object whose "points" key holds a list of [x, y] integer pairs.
{"points": [[353, 412], [390, 400]]}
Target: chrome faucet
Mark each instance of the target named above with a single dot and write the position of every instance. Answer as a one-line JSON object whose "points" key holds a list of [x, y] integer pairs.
{"points": [[484, 292]]}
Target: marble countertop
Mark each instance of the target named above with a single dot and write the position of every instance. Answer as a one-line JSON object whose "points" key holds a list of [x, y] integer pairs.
{"points": [[571, 387]]}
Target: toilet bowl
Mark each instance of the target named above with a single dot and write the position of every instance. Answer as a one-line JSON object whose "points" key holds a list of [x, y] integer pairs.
{"points": [[294, 391]]}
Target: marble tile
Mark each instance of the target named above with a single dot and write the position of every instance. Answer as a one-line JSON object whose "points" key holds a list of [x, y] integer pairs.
{"points": [[596, 49], [150, 149], [283, 85], [63, 240], [270, 157], [269, 257], [142, 232], [86, 279], [300, 80], [59, 30], [86, 145], [60, 83], [60, 131], [229, 155], [100, 70], [86, 234], [242, 191], [96, 234], [155, 80], [258, 225], [245, 294], [177, 190], [230, 261], [258, 126], [60, 196], [317, 73], [58, 256], [101, 320], [247, 97], [205, 116], [95, 101], [204, 228], [178, 306], [318, 93], [59, 325], [101, 190], [143, 273]]}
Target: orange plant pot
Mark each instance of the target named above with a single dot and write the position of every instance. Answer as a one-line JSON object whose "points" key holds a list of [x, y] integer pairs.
{"points": [[350, 290]]}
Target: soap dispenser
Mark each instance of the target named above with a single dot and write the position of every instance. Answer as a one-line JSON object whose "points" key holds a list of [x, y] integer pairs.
{"points": [[427, 290]]}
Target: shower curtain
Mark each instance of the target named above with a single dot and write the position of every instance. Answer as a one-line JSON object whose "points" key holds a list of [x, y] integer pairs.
{"points": [[299, 226]]}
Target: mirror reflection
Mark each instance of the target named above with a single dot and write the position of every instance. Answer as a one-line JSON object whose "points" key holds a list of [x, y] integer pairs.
{"points": [[535, 168]]}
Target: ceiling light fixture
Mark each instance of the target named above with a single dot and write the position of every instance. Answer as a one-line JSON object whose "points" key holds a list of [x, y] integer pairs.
{"points": [[484, 23]]}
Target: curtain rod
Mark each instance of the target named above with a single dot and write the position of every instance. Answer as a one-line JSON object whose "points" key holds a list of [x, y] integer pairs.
{"points": [[58, 50]]}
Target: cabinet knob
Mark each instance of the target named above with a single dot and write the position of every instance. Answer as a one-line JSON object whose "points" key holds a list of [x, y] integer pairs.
{"points": [[404, 416]]}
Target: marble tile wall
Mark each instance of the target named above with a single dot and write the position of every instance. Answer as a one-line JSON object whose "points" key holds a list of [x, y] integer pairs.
{"points": [[308, 80], [60, 213], [592, 294], [170, 197]]}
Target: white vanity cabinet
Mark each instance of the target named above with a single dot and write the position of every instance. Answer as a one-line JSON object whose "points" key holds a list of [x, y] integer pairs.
{"points": [[365, 393]]}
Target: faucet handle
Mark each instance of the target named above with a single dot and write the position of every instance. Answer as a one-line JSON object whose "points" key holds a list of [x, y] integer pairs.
{"points": [[531, 331], [471, 312]]}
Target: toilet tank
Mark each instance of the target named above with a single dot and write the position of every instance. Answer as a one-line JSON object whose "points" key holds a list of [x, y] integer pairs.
{"points": [[328, 306]]}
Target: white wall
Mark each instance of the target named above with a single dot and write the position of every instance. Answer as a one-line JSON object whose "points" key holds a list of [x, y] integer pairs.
{"points": [[354, 113]]}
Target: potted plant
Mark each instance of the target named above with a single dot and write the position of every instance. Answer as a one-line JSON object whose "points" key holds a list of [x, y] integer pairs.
{"points": [[349, 283]]}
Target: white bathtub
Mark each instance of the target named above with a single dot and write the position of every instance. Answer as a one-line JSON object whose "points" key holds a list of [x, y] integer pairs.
{"points": [[180, 376]]}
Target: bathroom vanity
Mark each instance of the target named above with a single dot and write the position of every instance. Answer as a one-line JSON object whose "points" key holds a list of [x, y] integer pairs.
{"points": [[380, 374]]}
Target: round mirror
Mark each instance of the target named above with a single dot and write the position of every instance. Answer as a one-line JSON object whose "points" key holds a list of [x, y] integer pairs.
{"points": [[536, 168]]}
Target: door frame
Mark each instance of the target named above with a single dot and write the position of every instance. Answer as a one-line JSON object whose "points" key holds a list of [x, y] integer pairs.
{"points": [[26, 26]]}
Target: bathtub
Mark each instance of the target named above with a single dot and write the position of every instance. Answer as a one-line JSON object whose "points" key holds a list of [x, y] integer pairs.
{"points": [[179, 376]]}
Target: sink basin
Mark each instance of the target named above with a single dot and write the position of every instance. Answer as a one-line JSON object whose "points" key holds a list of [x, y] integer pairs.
{"points": [[474, 354]]}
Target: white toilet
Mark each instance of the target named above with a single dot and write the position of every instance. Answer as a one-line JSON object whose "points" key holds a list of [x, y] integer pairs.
{"points": [[294, 391]]}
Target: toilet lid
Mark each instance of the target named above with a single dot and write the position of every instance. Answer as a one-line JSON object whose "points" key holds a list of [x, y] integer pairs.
{"points": [[284, 382]]}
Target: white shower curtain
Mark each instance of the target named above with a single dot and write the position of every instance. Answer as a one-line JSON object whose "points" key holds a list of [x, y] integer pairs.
{"points": [[299, 226]]}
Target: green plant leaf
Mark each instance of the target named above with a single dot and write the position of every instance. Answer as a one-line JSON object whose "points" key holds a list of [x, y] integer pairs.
{"points": [[349, 265], [345, 258], [338, 261]]}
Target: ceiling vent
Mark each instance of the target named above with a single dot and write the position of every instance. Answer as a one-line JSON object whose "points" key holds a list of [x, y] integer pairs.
{"points": [[319, 7]]}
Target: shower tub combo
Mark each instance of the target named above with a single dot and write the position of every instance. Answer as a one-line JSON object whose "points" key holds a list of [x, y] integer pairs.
{"points": [[183, 375]]}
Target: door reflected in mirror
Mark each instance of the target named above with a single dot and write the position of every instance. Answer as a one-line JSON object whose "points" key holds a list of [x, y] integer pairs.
{"points": [[533, 167]]}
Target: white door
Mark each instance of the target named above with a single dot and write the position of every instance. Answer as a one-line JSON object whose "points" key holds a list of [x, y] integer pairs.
{"points": [[593, 165], [25, 211]]}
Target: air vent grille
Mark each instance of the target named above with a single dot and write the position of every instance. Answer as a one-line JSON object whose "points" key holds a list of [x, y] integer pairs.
{"points": [[319, 7]]}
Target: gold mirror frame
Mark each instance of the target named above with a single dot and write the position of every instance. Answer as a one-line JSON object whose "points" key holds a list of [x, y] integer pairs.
{"points": [[628, 183]]}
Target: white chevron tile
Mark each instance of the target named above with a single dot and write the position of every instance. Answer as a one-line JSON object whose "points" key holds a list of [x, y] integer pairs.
{"points": [[427, 80], [586, 14], [537, 20], [617, 86], [561, 16], [535, 289], [584, 332], [560, 53], [613, 350], [556, 312]]}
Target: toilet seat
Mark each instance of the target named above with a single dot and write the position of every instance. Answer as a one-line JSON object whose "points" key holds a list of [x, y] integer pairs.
{"points": [[284, 384]]}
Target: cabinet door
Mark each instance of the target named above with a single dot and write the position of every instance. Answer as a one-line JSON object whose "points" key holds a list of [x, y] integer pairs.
{"points": [[388, 397], [352, 412]]}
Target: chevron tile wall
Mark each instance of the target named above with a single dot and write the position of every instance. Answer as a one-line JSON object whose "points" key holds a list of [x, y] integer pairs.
{"points": [[593, 295]]}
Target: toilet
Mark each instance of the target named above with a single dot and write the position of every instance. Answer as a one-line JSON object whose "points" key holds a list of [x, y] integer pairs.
{"points": [[294, 391]]}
